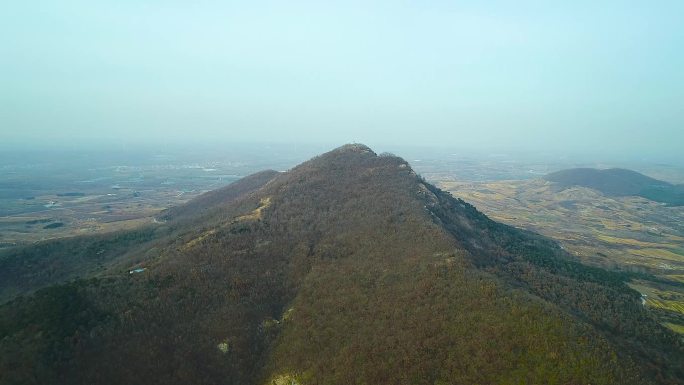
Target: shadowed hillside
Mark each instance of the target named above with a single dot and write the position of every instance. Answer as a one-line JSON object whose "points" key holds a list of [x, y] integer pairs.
{"points": [[347, 269], [620, 182]]}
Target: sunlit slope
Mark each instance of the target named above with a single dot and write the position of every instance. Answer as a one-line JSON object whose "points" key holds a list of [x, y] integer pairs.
{"points": [[347, 269]]}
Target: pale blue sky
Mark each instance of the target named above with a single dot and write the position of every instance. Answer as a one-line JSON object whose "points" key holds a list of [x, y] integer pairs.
{"points": [[595, 75]]}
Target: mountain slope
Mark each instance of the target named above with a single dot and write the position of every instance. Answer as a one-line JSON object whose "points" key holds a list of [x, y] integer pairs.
{"points": [[347, 269], [28, 268], [222, 196], [620, 182]]}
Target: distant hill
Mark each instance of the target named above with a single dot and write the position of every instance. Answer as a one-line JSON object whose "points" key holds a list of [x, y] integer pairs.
{"points": [[620, 182], [347, 269]]}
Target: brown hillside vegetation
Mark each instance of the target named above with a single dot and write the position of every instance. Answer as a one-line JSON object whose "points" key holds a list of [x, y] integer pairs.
{"points": [[347, 269], [223, 196]]}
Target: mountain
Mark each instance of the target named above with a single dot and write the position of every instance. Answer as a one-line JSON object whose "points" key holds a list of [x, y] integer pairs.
{"points": [[620, 182], [349, 268]]}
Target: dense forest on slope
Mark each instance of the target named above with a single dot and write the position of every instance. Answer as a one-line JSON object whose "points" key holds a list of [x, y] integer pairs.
{"points": [[346, 269], [620, 182], [26, 268]]}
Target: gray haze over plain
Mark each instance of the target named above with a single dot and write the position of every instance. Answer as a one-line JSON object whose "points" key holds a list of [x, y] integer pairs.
{"points": [[556, 76]]}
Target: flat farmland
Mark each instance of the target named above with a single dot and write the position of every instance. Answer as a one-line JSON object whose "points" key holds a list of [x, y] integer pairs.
{"points": [[67, 208]]}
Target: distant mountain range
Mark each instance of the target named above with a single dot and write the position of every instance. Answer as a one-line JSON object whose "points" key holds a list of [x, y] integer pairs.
{"points": [[620, 182], [347, 269]]}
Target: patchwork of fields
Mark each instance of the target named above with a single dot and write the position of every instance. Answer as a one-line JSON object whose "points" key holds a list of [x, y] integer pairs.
{"points": [[96, 213], [629, 234]]}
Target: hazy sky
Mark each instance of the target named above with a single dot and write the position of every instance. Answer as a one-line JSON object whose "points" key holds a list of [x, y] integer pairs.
{"points": [[596, 75]]}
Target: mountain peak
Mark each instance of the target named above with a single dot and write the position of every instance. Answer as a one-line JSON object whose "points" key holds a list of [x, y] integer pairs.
{"points": [[354, 148], [353, 159]]}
